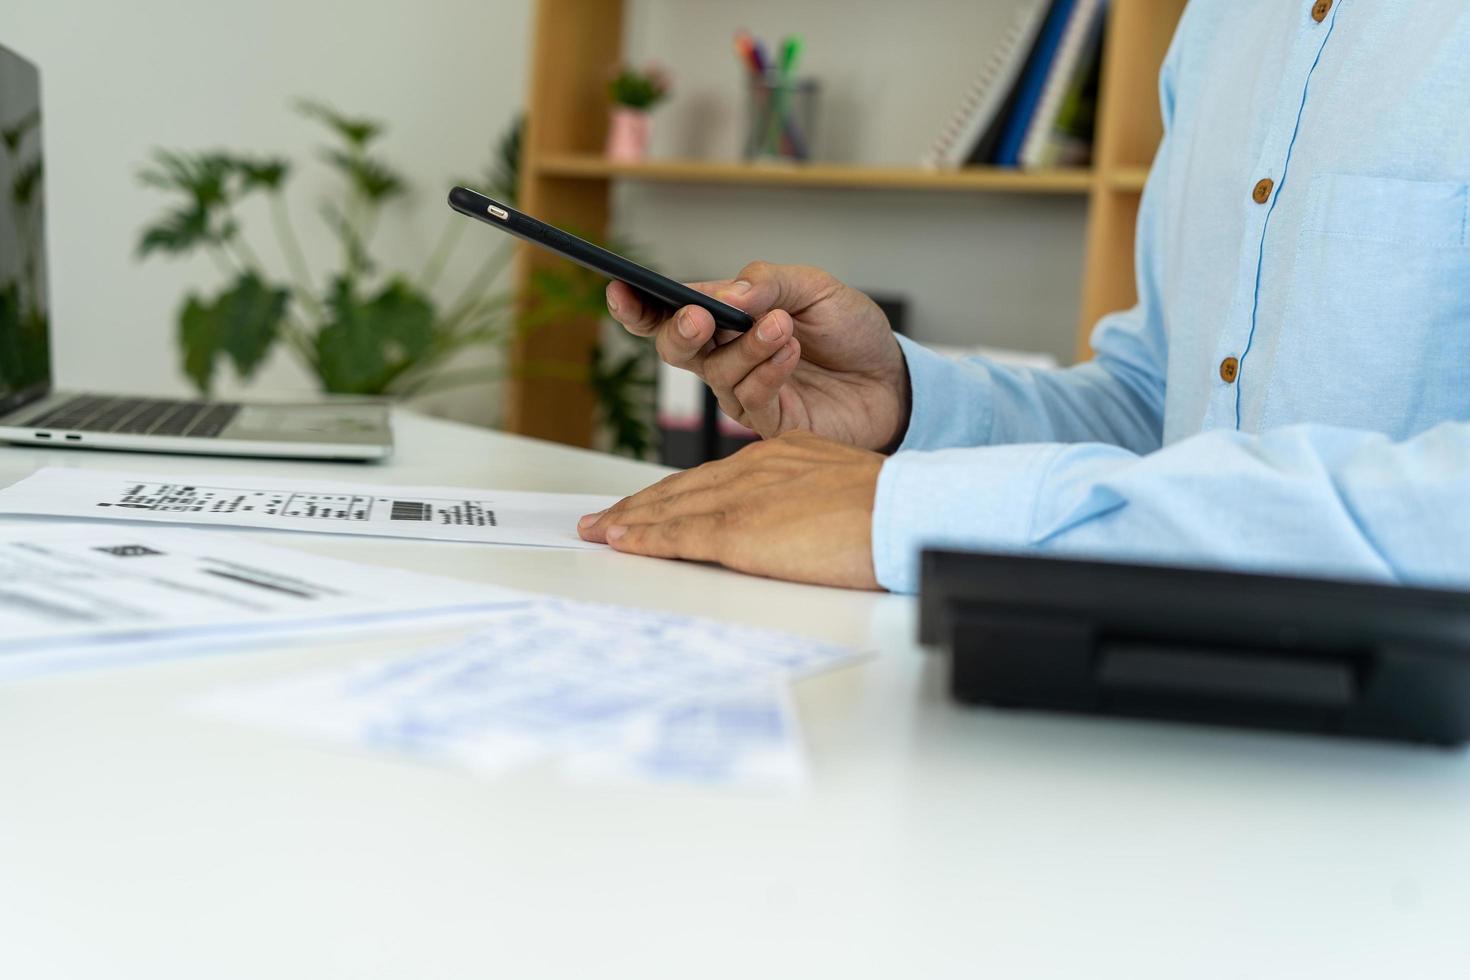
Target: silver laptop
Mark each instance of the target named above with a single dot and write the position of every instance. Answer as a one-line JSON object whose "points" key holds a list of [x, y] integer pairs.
{"points": [[32, 412]]}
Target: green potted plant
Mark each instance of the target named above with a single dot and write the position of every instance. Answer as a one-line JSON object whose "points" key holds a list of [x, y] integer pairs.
{"points": [[359, 330], [634, 93], [364, 330]]}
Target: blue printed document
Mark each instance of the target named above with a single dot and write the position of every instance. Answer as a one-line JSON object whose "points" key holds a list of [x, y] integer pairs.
{"points": [[603, 692]]}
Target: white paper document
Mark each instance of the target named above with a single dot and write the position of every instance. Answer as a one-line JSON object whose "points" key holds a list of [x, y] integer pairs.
{"points": [[87, 595], [320, 506], [609, 692]]}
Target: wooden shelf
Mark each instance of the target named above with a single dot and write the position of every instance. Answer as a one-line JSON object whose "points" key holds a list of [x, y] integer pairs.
{"points": [[1130, 179], [579, 45], [823, 175]]}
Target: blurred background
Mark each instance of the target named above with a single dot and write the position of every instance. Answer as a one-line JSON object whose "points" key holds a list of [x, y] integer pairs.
{"points": [[990, 254]]}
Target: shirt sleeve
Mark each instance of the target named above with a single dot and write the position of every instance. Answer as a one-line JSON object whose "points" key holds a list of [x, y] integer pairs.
{"points": [[934, 491], [977, 402], [1117, 398], [1307, 499]]}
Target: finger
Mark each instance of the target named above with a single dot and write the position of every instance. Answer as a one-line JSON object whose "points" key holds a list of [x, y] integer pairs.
{"points": [[628, 308], [682, 340], [593, 527], [694, 537], [726, 366], [759, 393], [640, 317], [724, 290], [699, 500]]}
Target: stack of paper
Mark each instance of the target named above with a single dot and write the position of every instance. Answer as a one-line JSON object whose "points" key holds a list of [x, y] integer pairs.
{"points": [[79, 595], [435, 513], [611, 693]]}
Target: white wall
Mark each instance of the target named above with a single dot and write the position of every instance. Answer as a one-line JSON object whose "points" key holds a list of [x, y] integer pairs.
{"points": [[446, 75], [977, 268], [120, 78]]}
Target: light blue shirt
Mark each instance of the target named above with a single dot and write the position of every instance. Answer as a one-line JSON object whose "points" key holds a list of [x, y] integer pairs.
{"points": [[1342, 447]]}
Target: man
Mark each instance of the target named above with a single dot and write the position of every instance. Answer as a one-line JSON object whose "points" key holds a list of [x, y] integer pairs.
{"points": [[1291, 392]]}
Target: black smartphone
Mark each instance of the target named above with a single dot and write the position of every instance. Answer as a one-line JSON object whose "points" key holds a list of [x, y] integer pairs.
{"points": [[659, 291]]}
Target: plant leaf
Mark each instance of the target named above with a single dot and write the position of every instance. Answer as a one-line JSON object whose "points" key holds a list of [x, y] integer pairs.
{"points": [[624, 389], [178, 231], [358, 258], [357, 132], [241, 324], [504, 175], [27, 179], [203, 177], [267, 173], [12, 135], [205, 180], [371, 178], [24, 349], [367, 344]]}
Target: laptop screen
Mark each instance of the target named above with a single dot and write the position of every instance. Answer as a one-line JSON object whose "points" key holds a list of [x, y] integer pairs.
{"points": [[25, 351]]}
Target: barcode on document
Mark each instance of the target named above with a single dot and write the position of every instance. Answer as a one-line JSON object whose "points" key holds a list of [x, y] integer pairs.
{"points": [[410, 510]]}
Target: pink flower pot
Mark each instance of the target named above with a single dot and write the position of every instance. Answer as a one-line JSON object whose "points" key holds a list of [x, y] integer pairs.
{"points": [[627, 135]]}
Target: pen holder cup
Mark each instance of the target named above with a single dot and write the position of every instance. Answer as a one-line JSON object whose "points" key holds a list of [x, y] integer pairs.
{"points": [[779, 117]]}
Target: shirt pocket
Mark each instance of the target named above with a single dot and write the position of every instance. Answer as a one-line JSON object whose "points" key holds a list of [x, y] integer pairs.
{"points": [[1376, 329]]}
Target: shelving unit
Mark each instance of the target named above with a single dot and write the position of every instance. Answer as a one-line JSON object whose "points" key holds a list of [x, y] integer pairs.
{"points": [[564, 179]]}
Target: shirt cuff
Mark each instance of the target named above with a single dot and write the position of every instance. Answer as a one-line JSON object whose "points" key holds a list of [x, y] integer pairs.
{"points": [[951, 401], [973, 499]]}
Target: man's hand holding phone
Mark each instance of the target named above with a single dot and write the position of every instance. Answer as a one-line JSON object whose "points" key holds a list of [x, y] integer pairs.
{"points": [[821, 357]]}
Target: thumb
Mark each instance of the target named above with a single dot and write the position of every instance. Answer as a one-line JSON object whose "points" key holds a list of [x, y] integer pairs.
{"points": [[763, 286]]}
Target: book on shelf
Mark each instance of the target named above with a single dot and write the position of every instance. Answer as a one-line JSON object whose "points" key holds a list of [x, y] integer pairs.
{"points": [[1081, 35], [1033, 80], [1075, 126], [986, 101], [1033, 103]]}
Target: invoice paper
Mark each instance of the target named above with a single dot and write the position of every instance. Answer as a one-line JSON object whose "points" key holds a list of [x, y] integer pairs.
{"points": [[80, 595], [325, 507], [612, 693]]}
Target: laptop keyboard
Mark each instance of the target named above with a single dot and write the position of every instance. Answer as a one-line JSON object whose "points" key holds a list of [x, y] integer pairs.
{"points": [[138, 416]]}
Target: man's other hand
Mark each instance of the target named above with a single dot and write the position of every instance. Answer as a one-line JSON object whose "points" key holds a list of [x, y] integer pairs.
{"points": [[798, 507], [821, 356]]}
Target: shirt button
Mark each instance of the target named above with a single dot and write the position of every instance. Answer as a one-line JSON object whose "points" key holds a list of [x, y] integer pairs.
{"points": [[1261, 193], [1229, 368], [1321, 9]]}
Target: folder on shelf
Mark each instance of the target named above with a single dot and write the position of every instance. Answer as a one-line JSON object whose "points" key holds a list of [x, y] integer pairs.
{"points": [[1033, 80], [1074, 129], [1080, 40]]}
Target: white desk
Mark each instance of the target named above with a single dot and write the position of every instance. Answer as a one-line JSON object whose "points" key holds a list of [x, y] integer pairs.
{"points": [[139, 841]]}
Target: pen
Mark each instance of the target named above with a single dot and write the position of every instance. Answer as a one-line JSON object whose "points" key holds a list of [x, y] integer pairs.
{"points": [[745, 50], [759, 54], [790, 54]]}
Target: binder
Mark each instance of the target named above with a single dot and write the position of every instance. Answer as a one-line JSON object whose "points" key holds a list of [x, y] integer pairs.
{"points": [[1028, 90], [1083, 29], [1074, 130]]}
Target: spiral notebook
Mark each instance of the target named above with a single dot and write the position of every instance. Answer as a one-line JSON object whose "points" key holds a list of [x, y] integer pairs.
{"points": [[989, 94]]}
